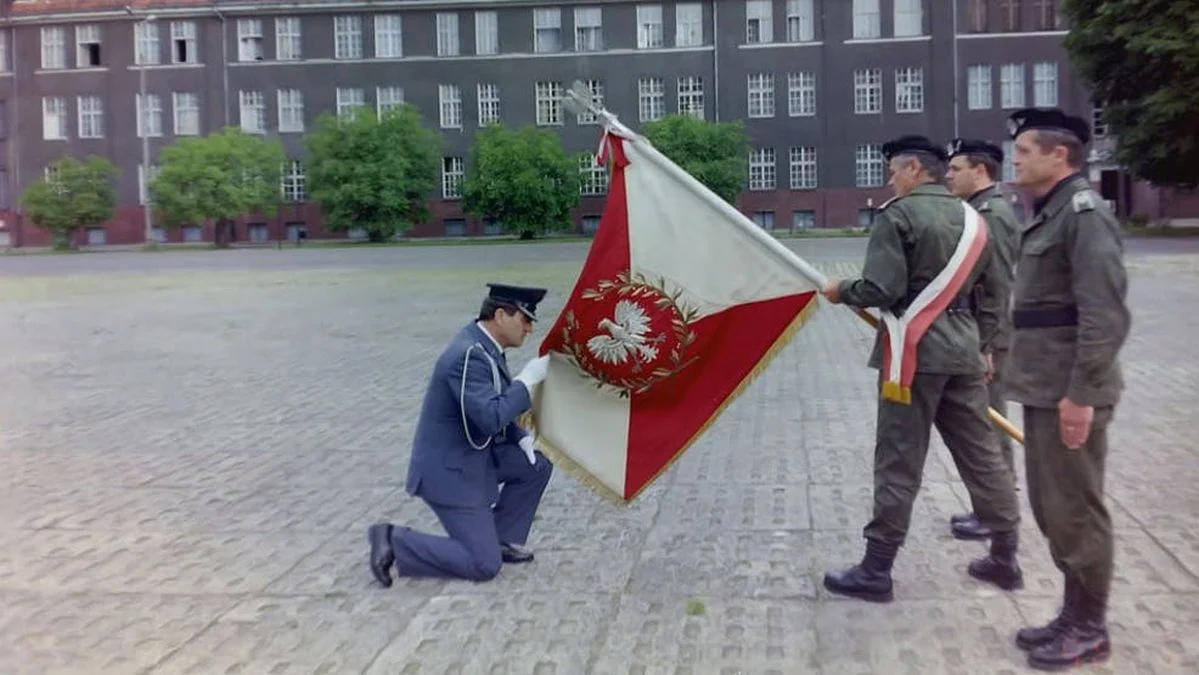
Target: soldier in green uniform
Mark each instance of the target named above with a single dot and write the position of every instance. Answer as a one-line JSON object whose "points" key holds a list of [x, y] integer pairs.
{"points": [[974, 167], [1070, 319], [909, 255]]}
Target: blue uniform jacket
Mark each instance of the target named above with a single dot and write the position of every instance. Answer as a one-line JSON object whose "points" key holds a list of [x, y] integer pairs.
{"points": [[470, 389]]}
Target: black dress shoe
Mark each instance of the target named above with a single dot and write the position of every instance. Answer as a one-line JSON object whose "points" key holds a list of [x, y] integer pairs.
{"points": [[382, 557], [515, 553], [970, 530]]}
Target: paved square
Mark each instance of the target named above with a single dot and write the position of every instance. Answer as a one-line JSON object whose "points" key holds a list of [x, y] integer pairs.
{"points": [[192, 444]]}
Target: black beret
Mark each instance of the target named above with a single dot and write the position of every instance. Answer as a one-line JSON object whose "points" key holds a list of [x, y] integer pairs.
{"points": [[522, 298], [1048, 118], [905, 144], [973, 146]]}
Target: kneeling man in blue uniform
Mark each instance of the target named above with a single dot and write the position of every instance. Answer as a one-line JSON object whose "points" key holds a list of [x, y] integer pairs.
{"points": [[467, 444]]}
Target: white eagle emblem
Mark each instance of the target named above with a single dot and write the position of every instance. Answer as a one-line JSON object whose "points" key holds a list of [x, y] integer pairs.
{"points": [[626, 336]]}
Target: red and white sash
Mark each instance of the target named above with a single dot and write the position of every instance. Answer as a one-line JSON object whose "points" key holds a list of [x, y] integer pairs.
{"points": [[904, 334]]}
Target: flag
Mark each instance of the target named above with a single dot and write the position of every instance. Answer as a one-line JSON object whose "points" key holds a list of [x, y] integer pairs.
{"points": [[681, 302]]}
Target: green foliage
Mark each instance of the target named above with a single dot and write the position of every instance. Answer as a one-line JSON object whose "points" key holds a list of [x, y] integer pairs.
{"points": [[77, 194], [219, 177], [716, 154], [522, 178], [374, 173], [1141, 59]]}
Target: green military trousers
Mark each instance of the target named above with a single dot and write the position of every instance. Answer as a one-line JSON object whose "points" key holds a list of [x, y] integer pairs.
{"points": [[957, 406], [1065, 490], [999, 403]]}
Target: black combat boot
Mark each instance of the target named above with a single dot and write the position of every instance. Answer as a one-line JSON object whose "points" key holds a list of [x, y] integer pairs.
{"points": [[1000, 567], [869, 580], [966, 526], [1083, 638], [1036, 636]]}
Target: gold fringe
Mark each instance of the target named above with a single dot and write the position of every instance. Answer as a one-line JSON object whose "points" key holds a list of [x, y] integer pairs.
{"points": [[897, 393]]}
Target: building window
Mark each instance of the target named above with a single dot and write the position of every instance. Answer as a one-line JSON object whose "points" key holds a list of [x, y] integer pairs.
{"points": [[294, 184], [759, 21], [764, 219], [489, 103], [349, 100], [1098, 126], [978, 16], [867, 21], [1009, 11], [978, 87], [295, 229], [149, 118], [1009, 168], [450, 102], [291, 111], [252, 109], [760, 98], [389, 36], [691, 96], [4, 198], [909, 90], [91, 117], [492, 227], [452, 171], [593, 178], [183, 42], [1046, 14], [597, 94], [192, 233], [3, 52], [97, 236], [1011, 85], [589, 29], [249, 40], [87, 46], [258, 233], [54, 48], [547, 31], [145, 43], [649, 26], [454, 227], [288, 38], [868, 166], [803, 220], [1044, 84], [688, 24], [868, 91], [801, 94], [186, 108], [591, 224], [347, 37], [144, 182], [761, 169], [447, 34], [54, 118], [487, 33], [801, 21], [549, 103], [802, 165], [651, 98], [909, 18], [387, 98]]}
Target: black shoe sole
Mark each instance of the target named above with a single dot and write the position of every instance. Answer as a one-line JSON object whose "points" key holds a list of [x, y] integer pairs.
{"points": [[970, 536], [1028, 645], [1094, 657], [861, 595]]}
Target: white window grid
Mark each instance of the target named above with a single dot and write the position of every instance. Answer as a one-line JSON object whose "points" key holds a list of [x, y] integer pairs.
{"points": [[762, 169], [594, 178], [54, 118], [489, 103], [389, 36], [759, 21], [252, 111], [760, 98], [347, 36], [978, 15], [802, 165], [801, 21], [149, 117], [868, 165], [548, 99], [447, 34], [1044, 84], [291, 110], [249, 40], [186, 109], [1011, 85], [596, 87], [589, 29], [54, 47], [349, 99], [978, 87], [91, 116], [289, 40], [145, 44], [691, 96], [649, 27], [293, 184], [547, 30], [487, 33], [868, 91], [453, 169], [1047, 14], [909, 18], [387, 98], [688, 24], [801, 94], [867, 20], [87, 46], [3, 69], [651, 98], [909, 90], [1009, 167], [184, 43], [449, 98]]}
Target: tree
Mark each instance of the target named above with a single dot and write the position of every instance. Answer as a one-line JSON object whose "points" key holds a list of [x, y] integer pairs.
{"points": [[219, 177], [374, 173], [714, 153], [1141, 59], [522, 178], [75, 194]]}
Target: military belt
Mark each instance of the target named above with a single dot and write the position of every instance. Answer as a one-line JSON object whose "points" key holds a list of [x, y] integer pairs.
{"points": [[1053, 317], [961, 303]]}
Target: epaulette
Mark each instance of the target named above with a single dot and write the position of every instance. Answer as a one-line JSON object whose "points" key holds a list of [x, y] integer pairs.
{"points": [[1084, 201], [889, 202], [984, 207]]}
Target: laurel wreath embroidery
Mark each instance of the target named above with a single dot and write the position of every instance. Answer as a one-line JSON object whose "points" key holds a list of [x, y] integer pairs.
{"points": [[634, 285]]}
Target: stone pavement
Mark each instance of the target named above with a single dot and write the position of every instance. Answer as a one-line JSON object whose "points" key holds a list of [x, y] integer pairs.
{"points": [[189, 460]]}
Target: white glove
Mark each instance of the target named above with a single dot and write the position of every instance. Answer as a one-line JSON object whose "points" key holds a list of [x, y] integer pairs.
{"points": [[526, 444], [534, 372]]}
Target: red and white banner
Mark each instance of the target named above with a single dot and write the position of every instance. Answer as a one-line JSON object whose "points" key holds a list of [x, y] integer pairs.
{"points": [[681, 302]]}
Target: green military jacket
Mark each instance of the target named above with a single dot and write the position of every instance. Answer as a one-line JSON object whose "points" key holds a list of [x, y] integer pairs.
{"points": [[912, 240], [1072, 262], [1003, 228]]}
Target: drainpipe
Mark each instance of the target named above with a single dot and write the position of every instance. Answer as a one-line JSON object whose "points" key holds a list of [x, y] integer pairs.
{"points": [[957, 104], [13, 138], [224, 62], [715, 64]]}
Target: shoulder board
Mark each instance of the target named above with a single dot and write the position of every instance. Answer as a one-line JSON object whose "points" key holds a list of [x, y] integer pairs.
{"points": [[1084, 201], [889, 202], [984, 207]]}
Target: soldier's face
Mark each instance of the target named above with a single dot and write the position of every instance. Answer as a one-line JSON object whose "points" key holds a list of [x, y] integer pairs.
{"points": [[513, 328], [962, 179], [1033, 166], [905, 175]]}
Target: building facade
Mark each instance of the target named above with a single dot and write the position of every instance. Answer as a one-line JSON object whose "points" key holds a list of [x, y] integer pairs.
{"points": [[820, 85]]}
